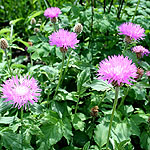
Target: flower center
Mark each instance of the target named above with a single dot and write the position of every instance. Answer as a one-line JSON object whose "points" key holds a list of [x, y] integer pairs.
{"points": [[22, 90]]}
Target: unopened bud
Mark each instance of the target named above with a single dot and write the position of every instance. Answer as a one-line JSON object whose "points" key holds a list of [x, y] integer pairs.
{"points": [[140, 73], [33, 21], [3, 43], [36, 30], [78, 28], [128, 39], [53, 20], [94, 111], [63, 50]]}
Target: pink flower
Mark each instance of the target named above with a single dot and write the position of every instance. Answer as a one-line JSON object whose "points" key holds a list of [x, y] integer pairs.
{"points": [[52, 12], [141, 50], [20, 92], [148, 73], [134, 31], [63, 38], [117, 69]]}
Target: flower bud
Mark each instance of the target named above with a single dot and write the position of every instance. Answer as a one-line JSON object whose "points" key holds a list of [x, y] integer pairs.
{"points": [[78, 28], [53, 20], [94, 111], [63, 50], [127, 39], [36, 30], [3, 43], [33, 21], [140, 73]]}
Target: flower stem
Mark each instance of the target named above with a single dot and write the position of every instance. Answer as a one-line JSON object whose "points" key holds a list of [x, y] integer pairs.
{"points": [[136, 10], [8, 63], [66, 69], [112, 115], [22, 127], [60, 77], [102, 99], [123, 98], [11, 35]]}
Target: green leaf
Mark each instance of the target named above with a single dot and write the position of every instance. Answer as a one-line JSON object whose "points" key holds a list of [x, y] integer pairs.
{"points": [[23, 42], [52, 134], [131, 56], [6, 120], [5, 30], [121, 132], [82, 78], [10, 140], [16, 20], [35, 14], [18, 66], [16, 47], [100, 85], [100, 134], [77, 121]]}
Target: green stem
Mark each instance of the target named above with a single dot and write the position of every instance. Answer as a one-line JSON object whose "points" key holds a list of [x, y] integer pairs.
{"points": [[123, 98], [8, 63], [22, 127], [102, 98], [112, 115], [60, 77], [11, 35], [77, 103], [66, 69], [136, 10]]}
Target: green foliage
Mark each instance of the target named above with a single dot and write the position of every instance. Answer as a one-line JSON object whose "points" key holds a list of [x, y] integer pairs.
{"points": [[54, 124]]}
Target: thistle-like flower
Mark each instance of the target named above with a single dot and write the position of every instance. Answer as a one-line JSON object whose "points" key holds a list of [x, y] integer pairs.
{"points": [[3, 43], [63, 39], [132, 31], [140, 51], [20, 92], [117, 70], [52, 12]]}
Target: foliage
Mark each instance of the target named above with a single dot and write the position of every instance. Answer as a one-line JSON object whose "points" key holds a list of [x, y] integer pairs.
{"points": [[66, 122]]}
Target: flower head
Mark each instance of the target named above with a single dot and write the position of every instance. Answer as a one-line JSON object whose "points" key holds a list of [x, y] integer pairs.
{"points": [[63, 38], [117, 69], [20, 92], [52, 12], [140, 51], [131, 30]]}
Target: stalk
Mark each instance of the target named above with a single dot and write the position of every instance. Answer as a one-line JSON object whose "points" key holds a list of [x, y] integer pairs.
{"points": [[60, 77], [123, 98], [136, 10], [8, 63], [11, 34], [22, 127], [66, 69], [112, 115], [102, 98]]}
